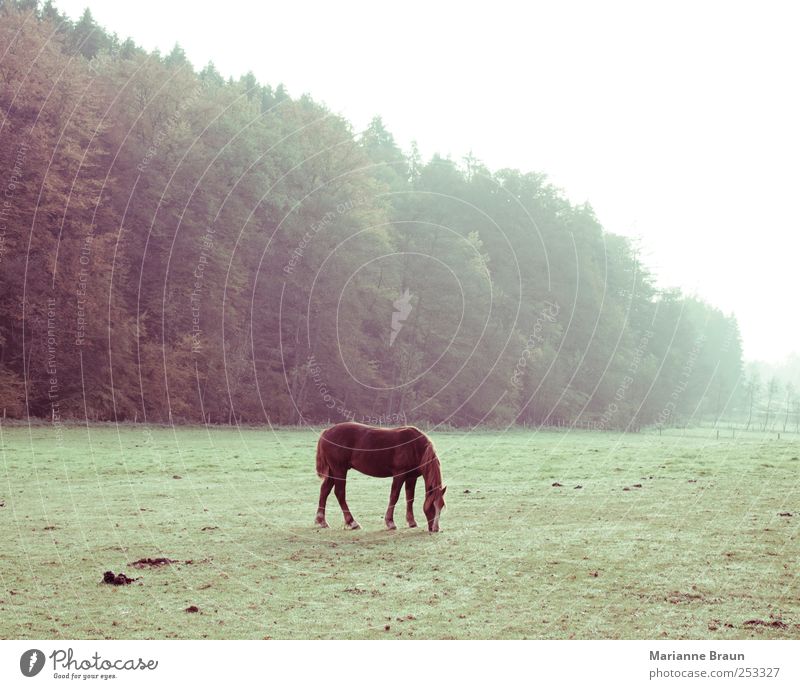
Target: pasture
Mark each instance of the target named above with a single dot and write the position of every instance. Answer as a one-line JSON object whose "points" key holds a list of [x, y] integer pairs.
{"points": [[696, 547]]}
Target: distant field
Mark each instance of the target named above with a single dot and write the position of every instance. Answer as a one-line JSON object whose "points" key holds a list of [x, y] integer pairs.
{"points": [[695, 548]]}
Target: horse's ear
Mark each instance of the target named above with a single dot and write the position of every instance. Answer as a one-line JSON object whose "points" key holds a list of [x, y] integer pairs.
{"points": [[444, 489]]}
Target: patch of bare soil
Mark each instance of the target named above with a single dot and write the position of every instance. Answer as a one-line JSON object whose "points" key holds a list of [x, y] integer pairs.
{"points": [[775, 624], [153, 562], [676, 597], [146, 562]]}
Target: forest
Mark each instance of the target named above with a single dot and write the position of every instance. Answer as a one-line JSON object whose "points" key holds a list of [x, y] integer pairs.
{"points": [[177, 246]]}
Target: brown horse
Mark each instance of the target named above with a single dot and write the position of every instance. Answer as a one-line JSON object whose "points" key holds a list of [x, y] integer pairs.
{"points": [[404, 453]]}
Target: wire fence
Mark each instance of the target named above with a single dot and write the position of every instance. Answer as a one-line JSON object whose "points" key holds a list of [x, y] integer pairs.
{"points": [[728, 430]]}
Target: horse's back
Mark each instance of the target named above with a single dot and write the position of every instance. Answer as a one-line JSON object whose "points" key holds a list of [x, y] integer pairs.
{"points": [[379, 452]]}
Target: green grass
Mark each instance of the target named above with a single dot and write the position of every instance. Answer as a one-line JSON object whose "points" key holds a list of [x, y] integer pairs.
{"points": [[695, 552]]}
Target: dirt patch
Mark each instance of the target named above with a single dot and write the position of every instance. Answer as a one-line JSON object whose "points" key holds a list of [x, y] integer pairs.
{"points": [[676, 597], [775, 624], [146, 562], [785, 514], [117, 579], [192, 608], [557, 485], [362, 592], [153, 562]]}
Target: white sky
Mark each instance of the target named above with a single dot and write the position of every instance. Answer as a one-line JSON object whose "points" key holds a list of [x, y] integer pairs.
{"points": [[679, 122]]}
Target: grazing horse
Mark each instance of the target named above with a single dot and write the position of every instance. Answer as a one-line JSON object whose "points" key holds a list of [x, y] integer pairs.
{"points": [[404, 453]]}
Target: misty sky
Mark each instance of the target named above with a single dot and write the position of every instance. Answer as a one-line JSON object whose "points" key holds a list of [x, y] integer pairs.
{"points": [[679, 123]]}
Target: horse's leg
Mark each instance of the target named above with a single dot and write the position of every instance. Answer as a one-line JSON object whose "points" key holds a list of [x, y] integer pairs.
{"points": [[394, 495], [339, 489], [411, 484], [324, 492]]}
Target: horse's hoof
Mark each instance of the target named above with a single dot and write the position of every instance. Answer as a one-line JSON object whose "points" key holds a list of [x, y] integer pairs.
{"points": [[321, 525], [413, 525], [391, 527], [352, 526]]}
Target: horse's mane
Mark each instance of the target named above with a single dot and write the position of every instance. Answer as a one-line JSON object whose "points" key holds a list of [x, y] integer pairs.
{"points": [[430, 468]]}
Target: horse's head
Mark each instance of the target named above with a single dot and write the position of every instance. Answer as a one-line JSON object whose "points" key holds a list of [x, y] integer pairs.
{"points": [[433, 506]]}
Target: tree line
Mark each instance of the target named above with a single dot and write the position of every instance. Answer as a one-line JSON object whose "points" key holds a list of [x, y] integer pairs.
{"points": [[178, 246]]}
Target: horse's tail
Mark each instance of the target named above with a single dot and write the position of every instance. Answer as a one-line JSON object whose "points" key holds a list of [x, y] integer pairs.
{"points": [[322, 465]]}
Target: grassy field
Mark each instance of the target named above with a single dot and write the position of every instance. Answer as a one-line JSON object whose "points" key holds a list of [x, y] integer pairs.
{"points": [[694, 548]]}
